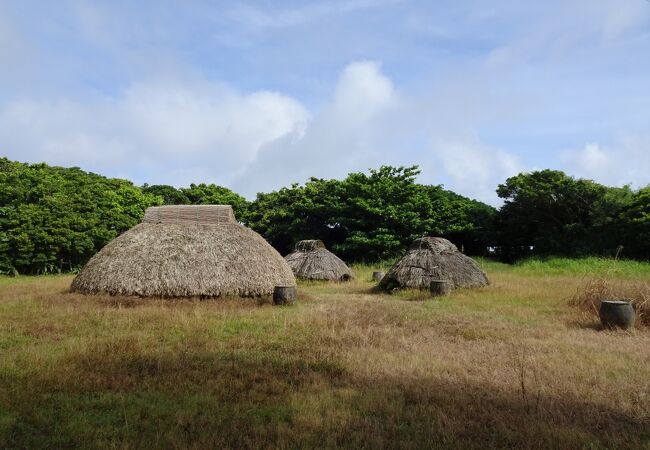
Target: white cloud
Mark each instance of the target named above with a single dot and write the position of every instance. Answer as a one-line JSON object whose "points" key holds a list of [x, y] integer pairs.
{"points": [[153, 131], [553, 29], [591, 159], [186, 130], [167, 131], [370, 123], [627, 161], [361, 93], [621, 17], [347, 134], [257, 17], [475, 168]]}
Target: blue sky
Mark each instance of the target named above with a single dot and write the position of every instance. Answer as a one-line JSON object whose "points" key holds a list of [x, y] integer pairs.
{"points": [[257, 95]]}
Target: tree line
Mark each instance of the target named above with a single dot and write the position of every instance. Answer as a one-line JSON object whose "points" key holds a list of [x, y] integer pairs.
{"points": [[53, 219]]}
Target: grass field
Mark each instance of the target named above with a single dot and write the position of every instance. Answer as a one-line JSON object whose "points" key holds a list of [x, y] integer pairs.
{"points": [[510, 365]]}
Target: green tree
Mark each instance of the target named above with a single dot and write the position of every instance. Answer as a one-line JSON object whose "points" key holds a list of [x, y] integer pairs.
{"points": [[634, 222], [54, 219], [298, 212], [365, 216], [169, 194], [211, 194], [466, 222], [383, 212], [552, 213]]}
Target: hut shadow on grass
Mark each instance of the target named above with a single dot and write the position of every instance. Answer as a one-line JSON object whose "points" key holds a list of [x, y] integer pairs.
{"points": [[237, 399], [465, 415], [406, 294], [229, 302], [120, 301]]}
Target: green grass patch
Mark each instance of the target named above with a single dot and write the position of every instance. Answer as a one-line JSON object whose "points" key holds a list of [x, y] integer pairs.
{"points": [[8, 280], [591, 266], [582, 267]]}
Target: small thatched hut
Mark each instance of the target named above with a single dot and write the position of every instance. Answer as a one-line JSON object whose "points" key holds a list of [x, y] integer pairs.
{"points": [[312, 261], [433, 258], [186, 251]]}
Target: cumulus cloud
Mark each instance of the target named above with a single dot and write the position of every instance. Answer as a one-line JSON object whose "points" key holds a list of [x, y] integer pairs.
{"points": [[186, 130], [345, 135], [369, 123], [464, 88], [153, 129], [168, 131], [625, 162], [362, 92], [475, 168]]}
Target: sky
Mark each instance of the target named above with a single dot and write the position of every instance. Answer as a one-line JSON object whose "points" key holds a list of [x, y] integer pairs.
{"points": [[256, 95]]}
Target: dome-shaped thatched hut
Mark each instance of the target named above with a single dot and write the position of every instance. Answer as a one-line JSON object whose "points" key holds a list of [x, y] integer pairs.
{"points": [[186, 251], [312, 261], [433, 258]]}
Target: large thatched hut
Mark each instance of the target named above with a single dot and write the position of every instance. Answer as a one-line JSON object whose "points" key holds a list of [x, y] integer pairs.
{"points": [[312, 261], [186, 251], [433, 258]]}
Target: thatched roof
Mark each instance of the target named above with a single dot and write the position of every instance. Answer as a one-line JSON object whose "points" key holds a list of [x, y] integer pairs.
{"points": [[312, 261], [190, 214], [433, 258], [172, 255]]}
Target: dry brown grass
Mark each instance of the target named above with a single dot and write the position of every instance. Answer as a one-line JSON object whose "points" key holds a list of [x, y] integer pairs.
{"points": [[506, 366], [588, 296]]}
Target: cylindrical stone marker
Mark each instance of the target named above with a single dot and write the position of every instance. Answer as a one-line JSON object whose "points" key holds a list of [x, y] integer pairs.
{"points": [[440, 287], [284, 295]]}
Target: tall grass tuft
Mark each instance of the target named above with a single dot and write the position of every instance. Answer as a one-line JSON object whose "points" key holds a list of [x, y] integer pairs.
{"points": [[589, 296], [609, 286]]}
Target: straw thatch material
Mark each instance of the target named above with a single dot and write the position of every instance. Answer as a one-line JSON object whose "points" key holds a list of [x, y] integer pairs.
{"points": [[312, 261], [170, 255], [433, 258], [189, 214]]}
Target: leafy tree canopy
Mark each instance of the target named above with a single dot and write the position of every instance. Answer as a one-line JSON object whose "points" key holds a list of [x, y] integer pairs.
{"points": [[548, 212], [211, 194], [169, 194], [54, 218], [198, 194], [365, 216], [635, 224]]}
